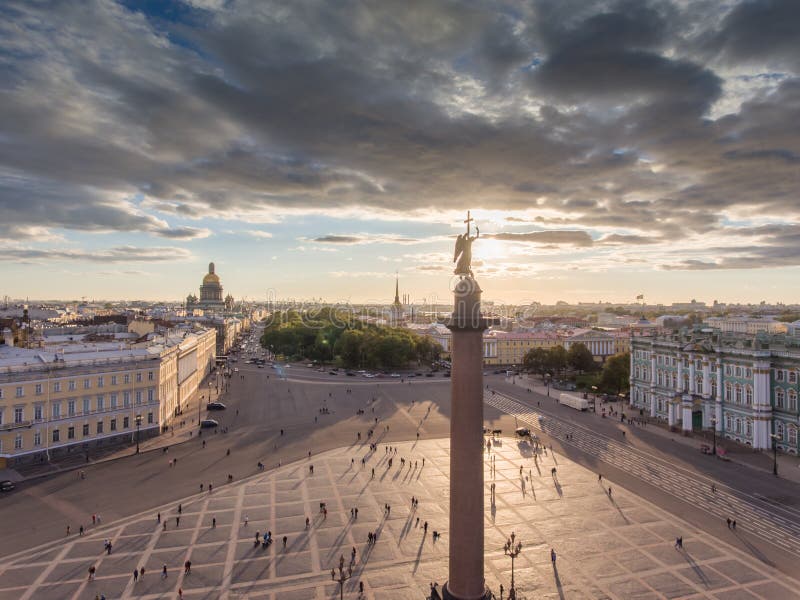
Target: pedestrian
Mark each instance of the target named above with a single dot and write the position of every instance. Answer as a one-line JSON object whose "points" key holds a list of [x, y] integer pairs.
{"points": [[713, 489], [360, 587], [285, 539], [210, 488], [214, 522], [67, 530], [92, 571], [425, 527], [80, 531], [180, 593], [94, 519], [187, 567], [164, 572], [609, 491], [180, 509], [733, 524], [553, 556], [158, 518], [246, 520], [728, 520], [164, 524], [599, 477], [135, 575], [177, 520], [108, 548], [141, 572]]}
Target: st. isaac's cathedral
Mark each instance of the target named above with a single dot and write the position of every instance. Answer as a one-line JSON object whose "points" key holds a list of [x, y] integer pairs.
{"points": [[210, 294]]}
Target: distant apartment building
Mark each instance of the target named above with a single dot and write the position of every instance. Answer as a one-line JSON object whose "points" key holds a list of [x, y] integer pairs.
{"points": [[744, 386], [74, 396], [601, 344], [749, 325], [510, 348]]}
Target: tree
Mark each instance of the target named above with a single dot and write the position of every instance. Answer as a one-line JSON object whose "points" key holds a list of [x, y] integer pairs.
{"points": [[556, 359], [616, 373], [535, 361], [580, 358]]}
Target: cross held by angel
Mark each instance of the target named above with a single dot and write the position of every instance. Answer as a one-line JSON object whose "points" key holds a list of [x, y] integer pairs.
{"points": [[463, 253]]}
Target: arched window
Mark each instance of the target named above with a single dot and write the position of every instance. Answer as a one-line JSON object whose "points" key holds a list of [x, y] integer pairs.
{"points": [[636, 372], [728, 396], [698, 385], [793, 400], [748, 428], [738, 426], [792, 435], [714, 388], [780, 431], [661, 378], [738, 392], [780, 398], [728, 423], [748, 395]]}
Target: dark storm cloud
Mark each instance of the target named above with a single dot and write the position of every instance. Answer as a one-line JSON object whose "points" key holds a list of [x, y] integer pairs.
{"points": [[573, 238], [365, 238], [599, 113]]}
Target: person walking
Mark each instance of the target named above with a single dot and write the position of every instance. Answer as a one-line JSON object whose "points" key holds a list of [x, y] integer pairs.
{"points": [[164, 572], [553, 556], [135, 575], [141, 572]]}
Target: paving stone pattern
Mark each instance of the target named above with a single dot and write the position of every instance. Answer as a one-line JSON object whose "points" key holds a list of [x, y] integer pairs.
{"points": [[617, 546]]}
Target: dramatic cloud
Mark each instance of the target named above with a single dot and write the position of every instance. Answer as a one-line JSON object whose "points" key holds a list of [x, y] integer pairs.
{"points": [[606, 124], [119, 254]]}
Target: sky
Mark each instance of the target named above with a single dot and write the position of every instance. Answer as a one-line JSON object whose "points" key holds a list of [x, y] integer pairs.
{"points": [[318, 149]]}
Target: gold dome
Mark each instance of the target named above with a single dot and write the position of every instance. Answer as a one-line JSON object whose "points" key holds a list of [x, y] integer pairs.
{"points": [[210, 278]]}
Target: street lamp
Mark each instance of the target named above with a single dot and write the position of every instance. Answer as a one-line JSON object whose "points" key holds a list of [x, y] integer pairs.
{"points": [[512, 550], [138, 424], [594, 396], [547, 382], [714, 434], [343, 576], [775, 439]]}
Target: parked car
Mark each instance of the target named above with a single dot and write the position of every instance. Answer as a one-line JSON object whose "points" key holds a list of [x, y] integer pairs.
{"points": [[6, 485], [350, 374], [522, 431], [332, 373], [215, 406], [208, 423]]}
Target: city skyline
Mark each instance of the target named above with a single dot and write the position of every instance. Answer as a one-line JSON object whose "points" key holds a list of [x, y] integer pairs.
{"points": [[606, 150]]}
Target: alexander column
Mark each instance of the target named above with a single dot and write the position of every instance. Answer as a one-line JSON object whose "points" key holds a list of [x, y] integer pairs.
{"points": [[465, 581]]}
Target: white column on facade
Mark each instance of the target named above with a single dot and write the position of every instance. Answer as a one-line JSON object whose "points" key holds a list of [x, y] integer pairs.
{"points": [[718, 399], [686, 413], [679, 373], [692, 388], [653, 405], [671, 419], [706, 378], [630, 399], [762, 407]]}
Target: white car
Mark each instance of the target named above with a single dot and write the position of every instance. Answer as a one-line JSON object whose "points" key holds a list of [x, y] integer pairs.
{"points": [[395, 375]]}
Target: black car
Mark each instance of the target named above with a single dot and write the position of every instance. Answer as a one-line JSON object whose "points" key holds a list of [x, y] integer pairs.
{"points": [[428, 374], [208, 423], [351, 374], [6, 485], [215, 406], [523, 431], [332, 373]]}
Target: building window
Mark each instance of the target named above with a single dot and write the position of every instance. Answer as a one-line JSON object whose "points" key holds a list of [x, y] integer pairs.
{"points": [[19, 391], [748, 424], [56, 435], [126, 399], [37, 412], [738, 426], [71, 408], [793, 400], [113, 401], [87, 406], [792, 435], [19, 414], [738, 392], [714, 388], [37, 389], [85, 430], [57, 387], [126, 378], [728, 423], [150, 418], [37, 438], [113, 425], [151, 396], [138, 397], [738, 371], [1, 393], [101, 403], [18, 442], [126, 422], [779, 375], [138, 378], [87, 383], [100, 381], [113, 380], [748, 372], [779, 398], [72, 386], [150, 376], [70, 433], [99, 427], [779, 430], [748, 395], [56, 410]]}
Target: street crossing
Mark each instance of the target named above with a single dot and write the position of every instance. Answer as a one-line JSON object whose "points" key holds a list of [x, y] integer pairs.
{"points": [[777, 525]]}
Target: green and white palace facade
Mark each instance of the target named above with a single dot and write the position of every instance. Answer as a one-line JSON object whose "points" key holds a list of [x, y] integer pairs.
{"points": [[744, 386]]}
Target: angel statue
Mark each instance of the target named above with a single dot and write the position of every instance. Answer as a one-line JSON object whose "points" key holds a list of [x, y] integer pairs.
{"points": [[463, 253]]}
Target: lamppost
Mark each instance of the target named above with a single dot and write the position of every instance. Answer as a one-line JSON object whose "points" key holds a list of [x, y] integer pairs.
{"points": [[138, 424], [343, 576], [512, 550], [714, 434], [775, 439], [594, 396], [547, 382]]}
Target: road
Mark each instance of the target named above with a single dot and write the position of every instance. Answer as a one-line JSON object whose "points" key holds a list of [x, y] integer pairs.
{"points": [[261, 404]]}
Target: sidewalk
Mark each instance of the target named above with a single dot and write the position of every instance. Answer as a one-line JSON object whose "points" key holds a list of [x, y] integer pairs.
{"points": [[178, 434], [788, 465]]}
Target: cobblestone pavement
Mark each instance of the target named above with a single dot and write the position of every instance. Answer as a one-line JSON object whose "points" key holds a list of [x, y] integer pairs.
{"points": [[608, 545]]}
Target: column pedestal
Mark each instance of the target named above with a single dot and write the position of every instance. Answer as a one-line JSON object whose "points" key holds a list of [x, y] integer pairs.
{"points": [[465, 578]]}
